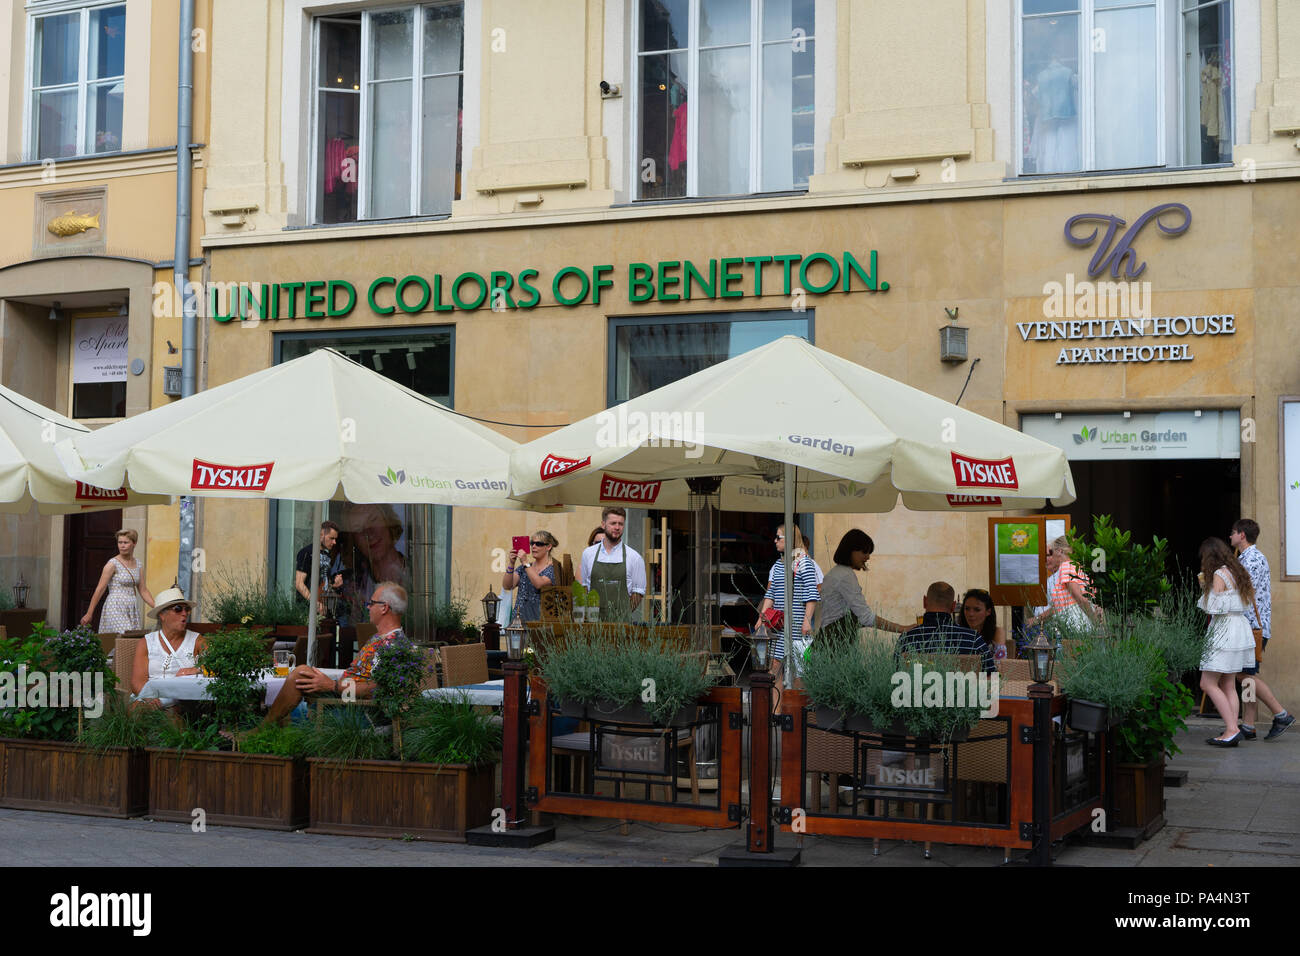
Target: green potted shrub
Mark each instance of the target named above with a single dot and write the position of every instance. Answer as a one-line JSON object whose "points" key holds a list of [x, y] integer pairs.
{"points": [[449, 621], [1144, 739], [1128, 580], [56, 758], [854, 687], [624, 680], [205, 761], [1104, 679], [242, 598]]}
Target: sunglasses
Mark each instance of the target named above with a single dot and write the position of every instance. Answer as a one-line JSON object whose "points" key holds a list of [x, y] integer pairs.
{"points": [[373, 603], [540, 544]]}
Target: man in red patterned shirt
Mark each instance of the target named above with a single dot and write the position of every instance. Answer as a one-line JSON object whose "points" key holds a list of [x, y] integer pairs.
{"points": [[387, 605]]}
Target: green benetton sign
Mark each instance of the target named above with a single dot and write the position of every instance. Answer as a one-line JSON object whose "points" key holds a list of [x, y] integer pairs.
{"points": [[670, 280]]}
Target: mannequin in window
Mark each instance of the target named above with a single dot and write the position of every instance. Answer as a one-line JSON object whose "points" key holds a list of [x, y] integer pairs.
{"points": [[1056, 125]]}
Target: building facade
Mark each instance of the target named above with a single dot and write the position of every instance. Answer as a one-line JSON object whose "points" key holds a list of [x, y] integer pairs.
{"points": [[88, 197], [533, 211]]}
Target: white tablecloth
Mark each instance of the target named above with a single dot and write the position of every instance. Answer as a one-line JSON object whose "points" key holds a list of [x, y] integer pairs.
{"points": [[195, 687], [491, 694]]}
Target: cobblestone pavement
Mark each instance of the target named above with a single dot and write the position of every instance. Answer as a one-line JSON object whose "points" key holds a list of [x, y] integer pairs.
{"points": [[1240, 807]]}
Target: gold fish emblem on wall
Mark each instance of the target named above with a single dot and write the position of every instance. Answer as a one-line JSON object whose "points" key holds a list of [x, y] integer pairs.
{"points": [[69, 224]]}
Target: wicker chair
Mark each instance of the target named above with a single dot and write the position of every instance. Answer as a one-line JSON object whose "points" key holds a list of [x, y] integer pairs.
{"points": [[430, 681], [464, 664], [124, 651]]}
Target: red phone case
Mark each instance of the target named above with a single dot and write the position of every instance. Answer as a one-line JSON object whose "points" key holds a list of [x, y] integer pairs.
{"points": [[521, 542]]}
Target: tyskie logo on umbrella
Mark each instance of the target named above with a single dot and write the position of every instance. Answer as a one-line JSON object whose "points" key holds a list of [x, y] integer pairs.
{"points": [[973, 501], [208, 475], [621, 489], [553, 466], [982, 473], [87, 492]]}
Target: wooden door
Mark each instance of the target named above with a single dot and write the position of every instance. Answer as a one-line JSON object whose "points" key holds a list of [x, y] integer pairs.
{"points": [[89, 542]]}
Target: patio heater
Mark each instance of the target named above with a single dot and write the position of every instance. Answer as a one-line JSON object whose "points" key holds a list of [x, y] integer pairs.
{"points": [[704, 501], [423, 565]]}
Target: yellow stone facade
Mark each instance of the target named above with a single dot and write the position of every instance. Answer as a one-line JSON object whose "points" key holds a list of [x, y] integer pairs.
{"points": [[95, 271], [915, 159]]}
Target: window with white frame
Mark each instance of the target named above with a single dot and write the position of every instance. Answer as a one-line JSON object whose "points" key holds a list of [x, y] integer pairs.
{"points": [[388, 88], [77, 81], [725, 96], [1093, 90]]}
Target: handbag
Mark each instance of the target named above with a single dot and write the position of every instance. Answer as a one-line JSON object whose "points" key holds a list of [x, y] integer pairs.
{"points": [[1258, 633], [774, 619]]}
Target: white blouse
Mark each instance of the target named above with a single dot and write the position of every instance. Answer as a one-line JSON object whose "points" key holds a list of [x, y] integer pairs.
{"points": [[165, 660]]}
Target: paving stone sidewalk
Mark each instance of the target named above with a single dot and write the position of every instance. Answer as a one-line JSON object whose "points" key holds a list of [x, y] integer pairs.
{"points": [[1240, 807]]}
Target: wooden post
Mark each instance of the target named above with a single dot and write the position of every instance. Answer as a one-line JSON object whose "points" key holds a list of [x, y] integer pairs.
{"points": [[512, 749], [759, 835], [1041, 695]]}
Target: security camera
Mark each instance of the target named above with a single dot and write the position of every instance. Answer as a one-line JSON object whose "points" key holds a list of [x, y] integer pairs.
{"points": [[609, 90]]}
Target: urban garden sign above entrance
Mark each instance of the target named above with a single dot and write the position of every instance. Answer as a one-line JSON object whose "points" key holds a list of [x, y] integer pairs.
{"points": [[792, 275]]}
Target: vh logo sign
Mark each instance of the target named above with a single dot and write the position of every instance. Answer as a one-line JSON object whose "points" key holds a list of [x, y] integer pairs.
{"points": [[1122, 252]]}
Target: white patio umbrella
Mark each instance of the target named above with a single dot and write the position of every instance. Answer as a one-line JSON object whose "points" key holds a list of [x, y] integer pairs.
{"points": [[30, 472], [859, 440], [321, 427], [841, 438]]}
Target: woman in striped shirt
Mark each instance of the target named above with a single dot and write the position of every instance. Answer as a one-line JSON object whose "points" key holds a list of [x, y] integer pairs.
{"points": [[804, 599]]}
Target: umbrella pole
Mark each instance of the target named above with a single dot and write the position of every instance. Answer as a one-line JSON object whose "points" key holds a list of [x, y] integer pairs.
{"points": [[315, 583], [790, 662]]}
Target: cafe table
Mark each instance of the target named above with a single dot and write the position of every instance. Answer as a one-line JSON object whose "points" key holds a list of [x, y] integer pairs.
{"points": [[195, 686], [489, 694]]}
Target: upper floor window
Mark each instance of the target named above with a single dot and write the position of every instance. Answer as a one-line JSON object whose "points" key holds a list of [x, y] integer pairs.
{"points": [[1095, 92], [77, 81], [725, 96], [387, 113]]}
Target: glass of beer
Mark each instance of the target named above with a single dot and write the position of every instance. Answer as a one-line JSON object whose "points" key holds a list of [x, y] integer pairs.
{"points": [[284, 661]]}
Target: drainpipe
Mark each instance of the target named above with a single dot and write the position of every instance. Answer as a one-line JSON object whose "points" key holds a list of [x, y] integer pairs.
{"points": [[181, 260]]}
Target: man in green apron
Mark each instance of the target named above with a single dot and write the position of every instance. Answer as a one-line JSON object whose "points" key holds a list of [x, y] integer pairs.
{"points": [[613, 570]]}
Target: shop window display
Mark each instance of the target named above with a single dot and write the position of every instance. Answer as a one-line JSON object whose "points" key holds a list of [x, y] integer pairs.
{"points": [[648, 355], [1093, 90], [409, 544]]}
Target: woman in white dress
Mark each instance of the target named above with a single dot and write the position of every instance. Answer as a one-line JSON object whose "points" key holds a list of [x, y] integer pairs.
{"points": [[168, 651], [122, 578], [1225, 592]]}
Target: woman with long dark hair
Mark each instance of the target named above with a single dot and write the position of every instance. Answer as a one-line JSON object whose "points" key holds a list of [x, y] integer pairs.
{"points": [[842, 594], [1225, 591], [977, 614]]}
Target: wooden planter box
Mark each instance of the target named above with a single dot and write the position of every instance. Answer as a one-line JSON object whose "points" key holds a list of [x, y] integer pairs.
{"points": [[69, 778], [233, 789], [1140, 796], [388, 798]]}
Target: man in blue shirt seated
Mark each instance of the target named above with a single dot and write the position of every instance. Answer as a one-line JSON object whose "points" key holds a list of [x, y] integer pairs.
{"points": [[939, 633]]}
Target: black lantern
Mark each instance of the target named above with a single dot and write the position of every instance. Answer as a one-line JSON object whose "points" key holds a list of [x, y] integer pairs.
{"points": [[1041, 657], [760, 648], [491, 604], [20, 592], [515, 636]]}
